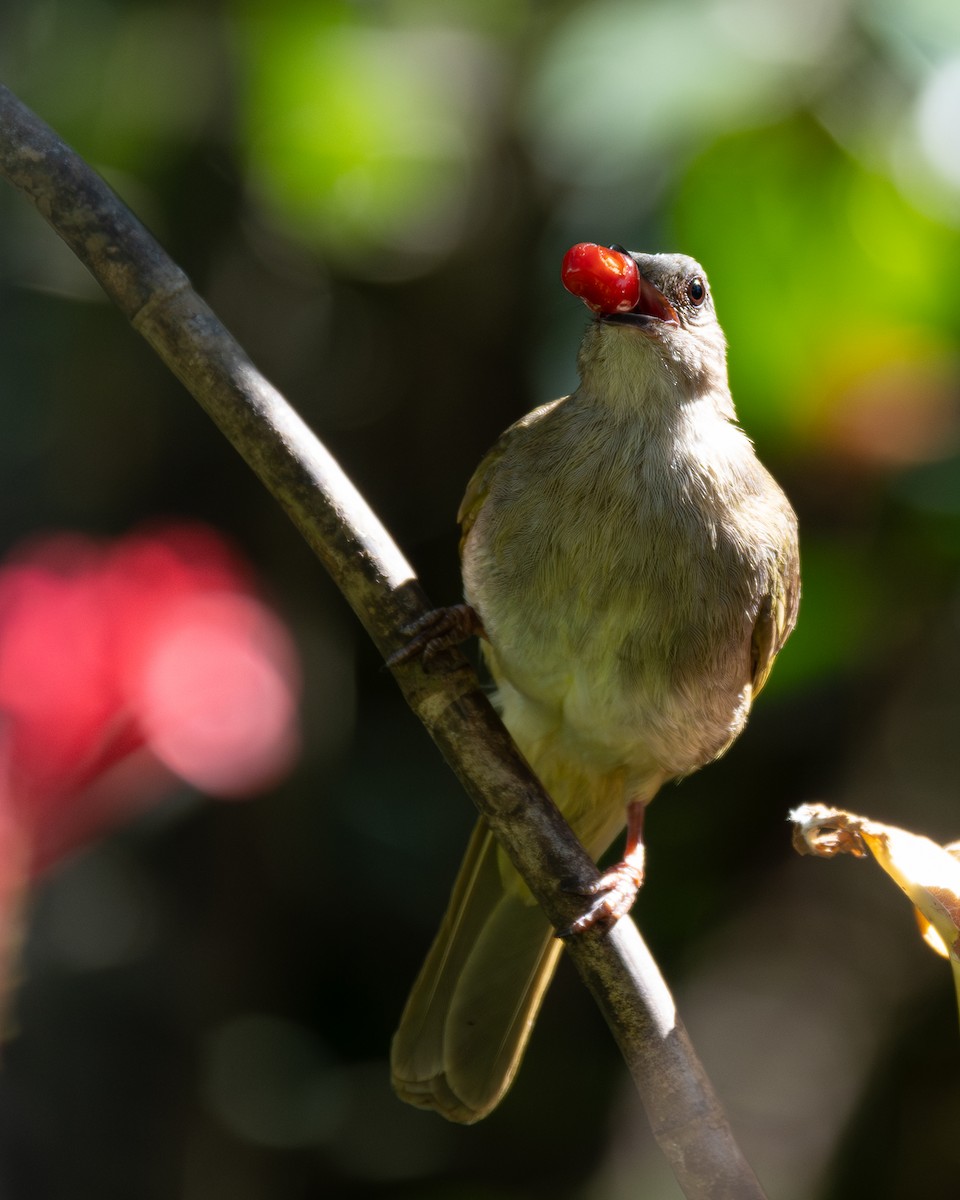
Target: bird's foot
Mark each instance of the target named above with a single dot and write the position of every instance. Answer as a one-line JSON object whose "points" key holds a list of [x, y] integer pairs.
{"points": [[614, 894], [616, 890], [435, 631]]}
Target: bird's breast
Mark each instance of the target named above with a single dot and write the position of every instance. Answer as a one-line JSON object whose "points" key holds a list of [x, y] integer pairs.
{"points": [[618, 590]]}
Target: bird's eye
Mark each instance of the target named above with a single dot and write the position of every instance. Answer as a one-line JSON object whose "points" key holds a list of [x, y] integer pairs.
{"points": [[696, 291], [616, 246]]}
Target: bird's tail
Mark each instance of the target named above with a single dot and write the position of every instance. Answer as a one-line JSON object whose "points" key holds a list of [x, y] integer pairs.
{"points": [[473, 1005], [466, 1023]]}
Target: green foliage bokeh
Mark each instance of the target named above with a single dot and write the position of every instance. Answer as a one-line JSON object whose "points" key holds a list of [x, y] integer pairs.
{"points": [[375, 196]]}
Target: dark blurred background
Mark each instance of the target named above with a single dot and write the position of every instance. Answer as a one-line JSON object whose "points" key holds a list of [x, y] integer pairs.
{"points": [[375, 197]]}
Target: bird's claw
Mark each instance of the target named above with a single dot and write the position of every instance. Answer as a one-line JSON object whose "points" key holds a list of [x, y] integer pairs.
{"points": [[435, 631], [614, 894]]}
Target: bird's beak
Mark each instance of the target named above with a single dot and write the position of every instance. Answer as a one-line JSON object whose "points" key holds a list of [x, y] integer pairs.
{"points": [[652, 306]]}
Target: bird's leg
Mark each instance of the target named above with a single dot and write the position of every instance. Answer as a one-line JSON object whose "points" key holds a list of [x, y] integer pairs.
{"points": [[616, 889], [437, 630]]}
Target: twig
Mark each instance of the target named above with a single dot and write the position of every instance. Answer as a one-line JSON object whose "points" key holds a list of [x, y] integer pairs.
{"points": [[157, 298]]}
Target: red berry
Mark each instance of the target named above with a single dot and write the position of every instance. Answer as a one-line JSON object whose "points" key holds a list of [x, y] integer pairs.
{"points": [[605, 280]]}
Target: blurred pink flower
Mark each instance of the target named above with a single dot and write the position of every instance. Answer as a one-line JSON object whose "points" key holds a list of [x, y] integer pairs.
{"points": [[123, 665]]}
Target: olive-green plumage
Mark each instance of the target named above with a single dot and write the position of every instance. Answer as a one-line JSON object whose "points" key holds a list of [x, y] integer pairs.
{"points": [[635, 569]]}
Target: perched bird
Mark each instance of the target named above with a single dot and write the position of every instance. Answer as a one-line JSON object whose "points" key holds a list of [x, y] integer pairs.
{"points": [[633, 570]]}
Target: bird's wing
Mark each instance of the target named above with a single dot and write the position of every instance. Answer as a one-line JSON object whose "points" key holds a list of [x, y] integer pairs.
{"points": [[479, 486], [776, 618]]}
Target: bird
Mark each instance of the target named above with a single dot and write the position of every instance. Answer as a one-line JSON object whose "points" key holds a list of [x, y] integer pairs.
{"points": [[632, 570]]}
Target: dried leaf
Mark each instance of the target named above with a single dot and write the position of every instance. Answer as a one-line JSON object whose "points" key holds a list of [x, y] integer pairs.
{"points": [[928, 873]]}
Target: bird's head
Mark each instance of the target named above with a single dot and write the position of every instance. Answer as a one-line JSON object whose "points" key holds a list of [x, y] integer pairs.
{"points": [[654, 322]]}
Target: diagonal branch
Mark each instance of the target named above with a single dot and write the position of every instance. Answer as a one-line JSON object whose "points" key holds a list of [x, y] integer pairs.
{"points": [[156, 297]]}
